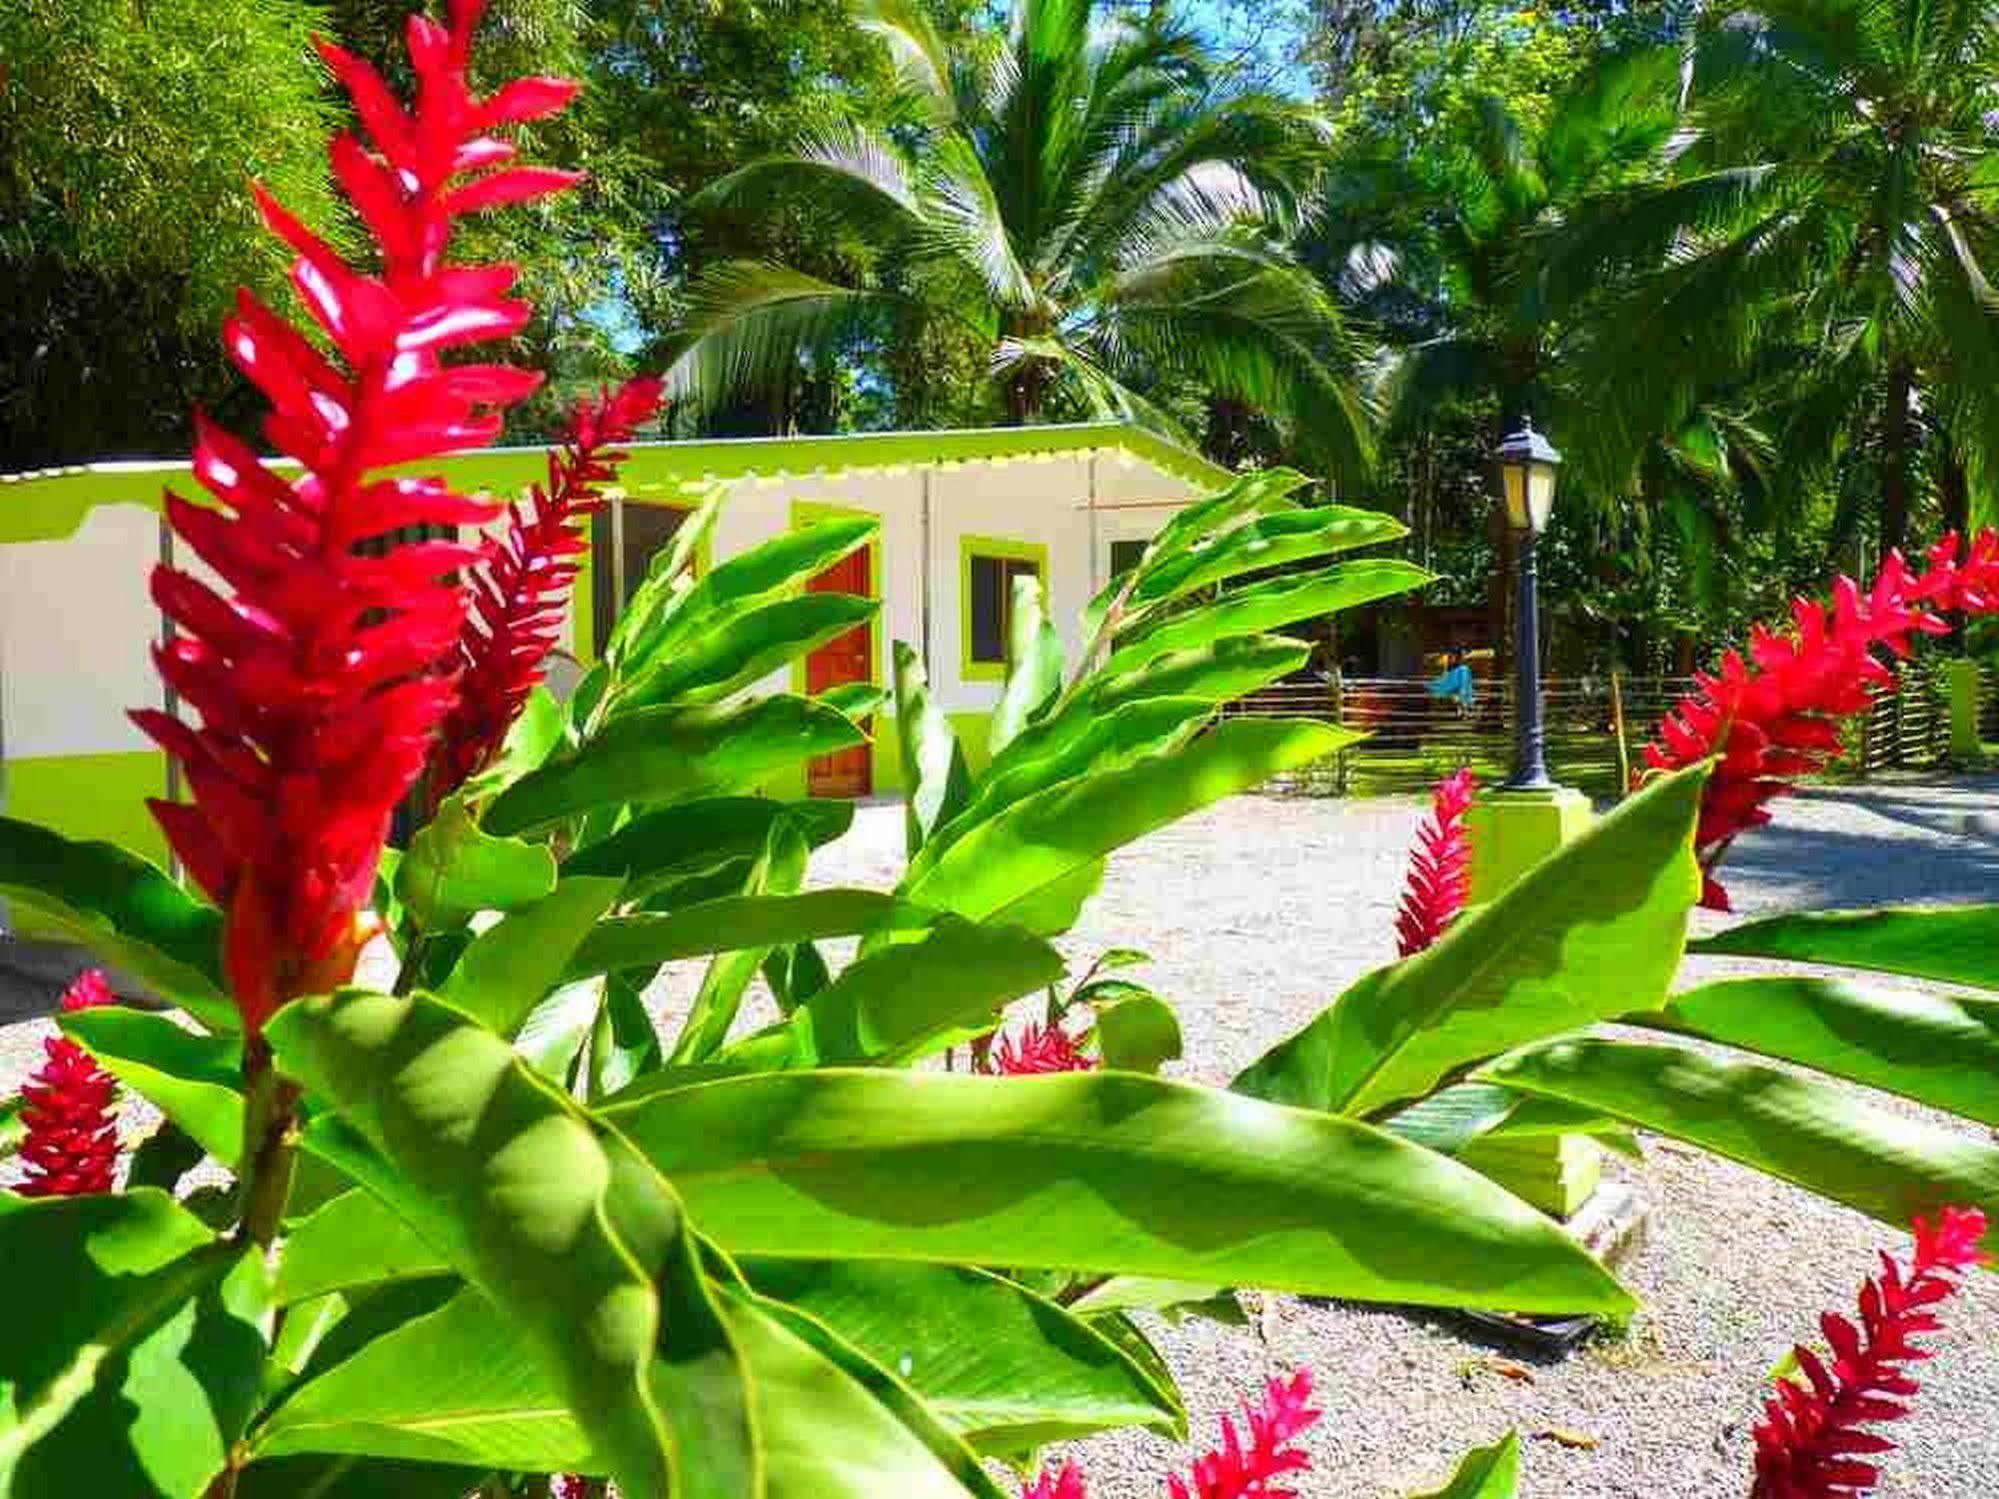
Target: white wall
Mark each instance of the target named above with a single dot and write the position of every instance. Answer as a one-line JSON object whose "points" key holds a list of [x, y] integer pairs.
{"points": [[76, 623]]}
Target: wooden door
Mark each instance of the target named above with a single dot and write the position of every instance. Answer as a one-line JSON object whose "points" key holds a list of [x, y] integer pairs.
{"points": [[846, 658]]}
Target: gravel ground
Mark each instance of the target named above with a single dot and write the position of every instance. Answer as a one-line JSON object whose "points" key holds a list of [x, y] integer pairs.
{"points": [[1260, 911]]}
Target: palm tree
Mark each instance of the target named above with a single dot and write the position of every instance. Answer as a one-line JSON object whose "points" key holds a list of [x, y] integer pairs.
{"points": [[1840, 194], [1082, 198]]}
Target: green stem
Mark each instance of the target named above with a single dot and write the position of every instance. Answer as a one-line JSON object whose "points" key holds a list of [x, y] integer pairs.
{"points": [[270, 1146]]}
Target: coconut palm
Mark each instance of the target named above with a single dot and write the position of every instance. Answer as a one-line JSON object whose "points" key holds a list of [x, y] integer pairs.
{"points": [[1079, 195], [1839, 194]]}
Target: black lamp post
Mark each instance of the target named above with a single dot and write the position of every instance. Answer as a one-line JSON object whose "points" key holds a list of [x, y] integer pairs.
{"points": [[1527, 465]]}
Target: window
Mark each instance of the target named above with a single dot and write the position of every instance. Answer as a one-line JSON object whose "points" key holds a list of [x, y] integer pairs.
{"points": [[990, 566], [648, 529], [1125, 556]]}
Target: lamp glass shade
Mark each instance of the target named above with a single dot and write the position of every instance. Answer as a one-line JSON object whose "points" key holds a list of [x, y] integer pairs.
{"points": [[1527, 481], [1514, 478]]}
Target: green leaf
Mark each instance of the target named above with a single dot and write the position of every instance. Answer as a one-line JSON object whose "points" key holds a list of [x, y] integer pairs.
{"points": [[829, 1426], [352, 1241], [1034, 669], [537, 731], [933, 762], [452, 869], [795, 974], [462, 1384], [887, 1005], [700, 837], [552, 1037], [164, 1157], [1137, 1033], [123, 909], [857, 700], [732, 923], [1268, 606], [776, 875], [11, 1127], [740, 648], [1486, 1473], [1955, 944], [511, 967], [563, 1227], [663, 754], [1816, 1134], [667, 583], [1593, 931], [133, 1349], [1053, 834], [196, 1081], [1942, 1050], [1288, 536], [1108, 1173], [623, 1044], [998, 1364], [1451, 1118]]}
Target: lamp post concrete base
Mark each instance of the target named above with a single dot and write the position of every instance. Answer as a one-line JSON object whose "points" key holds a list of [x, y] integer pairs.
{"points": [[1512, 831]]}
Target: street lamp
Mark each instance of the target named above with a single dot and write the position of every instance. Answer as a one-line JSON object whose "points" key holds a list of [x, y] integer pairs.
{"points": [[1527, 465]]}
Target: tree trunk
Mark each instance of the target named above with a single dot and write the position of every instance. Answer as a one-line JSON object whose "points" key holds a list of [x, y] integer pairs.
{"points": [[1895, 456], [1954, 491]]}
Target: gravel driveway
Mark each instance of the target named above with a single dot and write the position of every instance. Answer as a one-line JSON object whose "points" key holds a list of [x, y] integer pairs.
{"points": [[1260, 911]]}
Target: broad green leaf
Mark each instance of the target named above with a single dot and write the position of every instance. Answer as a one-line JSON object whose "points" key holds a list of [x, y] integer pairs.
{"points": [[731, 924], [624, 1046], [1054, 908], [1955, 944], [1138, 1032], [776, 875], [695, 838], [462, 1384], [1173, 1299], [1593, 931], [1106, 1173], [553, 1036], [536, 732], [667, 580], [663, 754], [795, 974], [133, 1348], [352, 1241], [741, 648], [933, 762], [1269, 606], [1053, 834], [998, 1364], [1486, 1473], [888, 1004], [1288, 536], [1940, 1049], [563, 1227], [11, 1128], [511, 967], [831, 1427], [196, 1081], [1034, 669], [857, 700], [1111, 741], [1451, 1118], [453, 869], [123, 909], [1817, 1134], [783, 562]]}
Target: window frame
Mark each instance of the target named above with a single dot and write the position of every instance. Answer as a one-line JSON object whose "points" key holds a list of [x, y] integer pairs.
{"points": [[596, 592], [1000, 549]]}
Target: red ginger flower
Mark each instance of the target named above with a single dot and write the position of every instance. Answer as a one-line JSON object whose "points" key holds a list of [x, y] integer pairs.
{"points": [[70, 1110], [1038, 1049], [322, 676], [521, 592], [1229, 1471], [1439, 880], [1810, 1443], [1775, 715]]}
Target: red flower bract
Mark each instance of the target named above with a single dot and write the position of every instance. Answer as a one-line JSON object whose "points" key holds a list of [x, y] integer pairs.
{"points": [[521, 590], [1068, 1484], [1037, 1049], [323, 670], [1775, 714], [69, 1110], [1810, 1443], [1439, 881]]}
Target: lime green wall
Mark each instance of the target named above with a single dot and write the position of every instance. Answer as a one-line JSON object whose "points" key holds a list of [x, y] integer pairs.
{"points": [[93, 796]]}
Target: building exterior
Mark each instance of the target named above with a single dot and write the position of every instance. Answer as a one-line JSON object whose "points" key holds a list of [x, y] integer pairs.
{"points": [[961, 513]]}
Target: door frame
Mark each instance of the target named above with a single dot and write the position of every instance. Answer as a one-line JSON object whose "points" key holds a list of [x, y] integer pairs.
{"points": [[805, 513]]}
